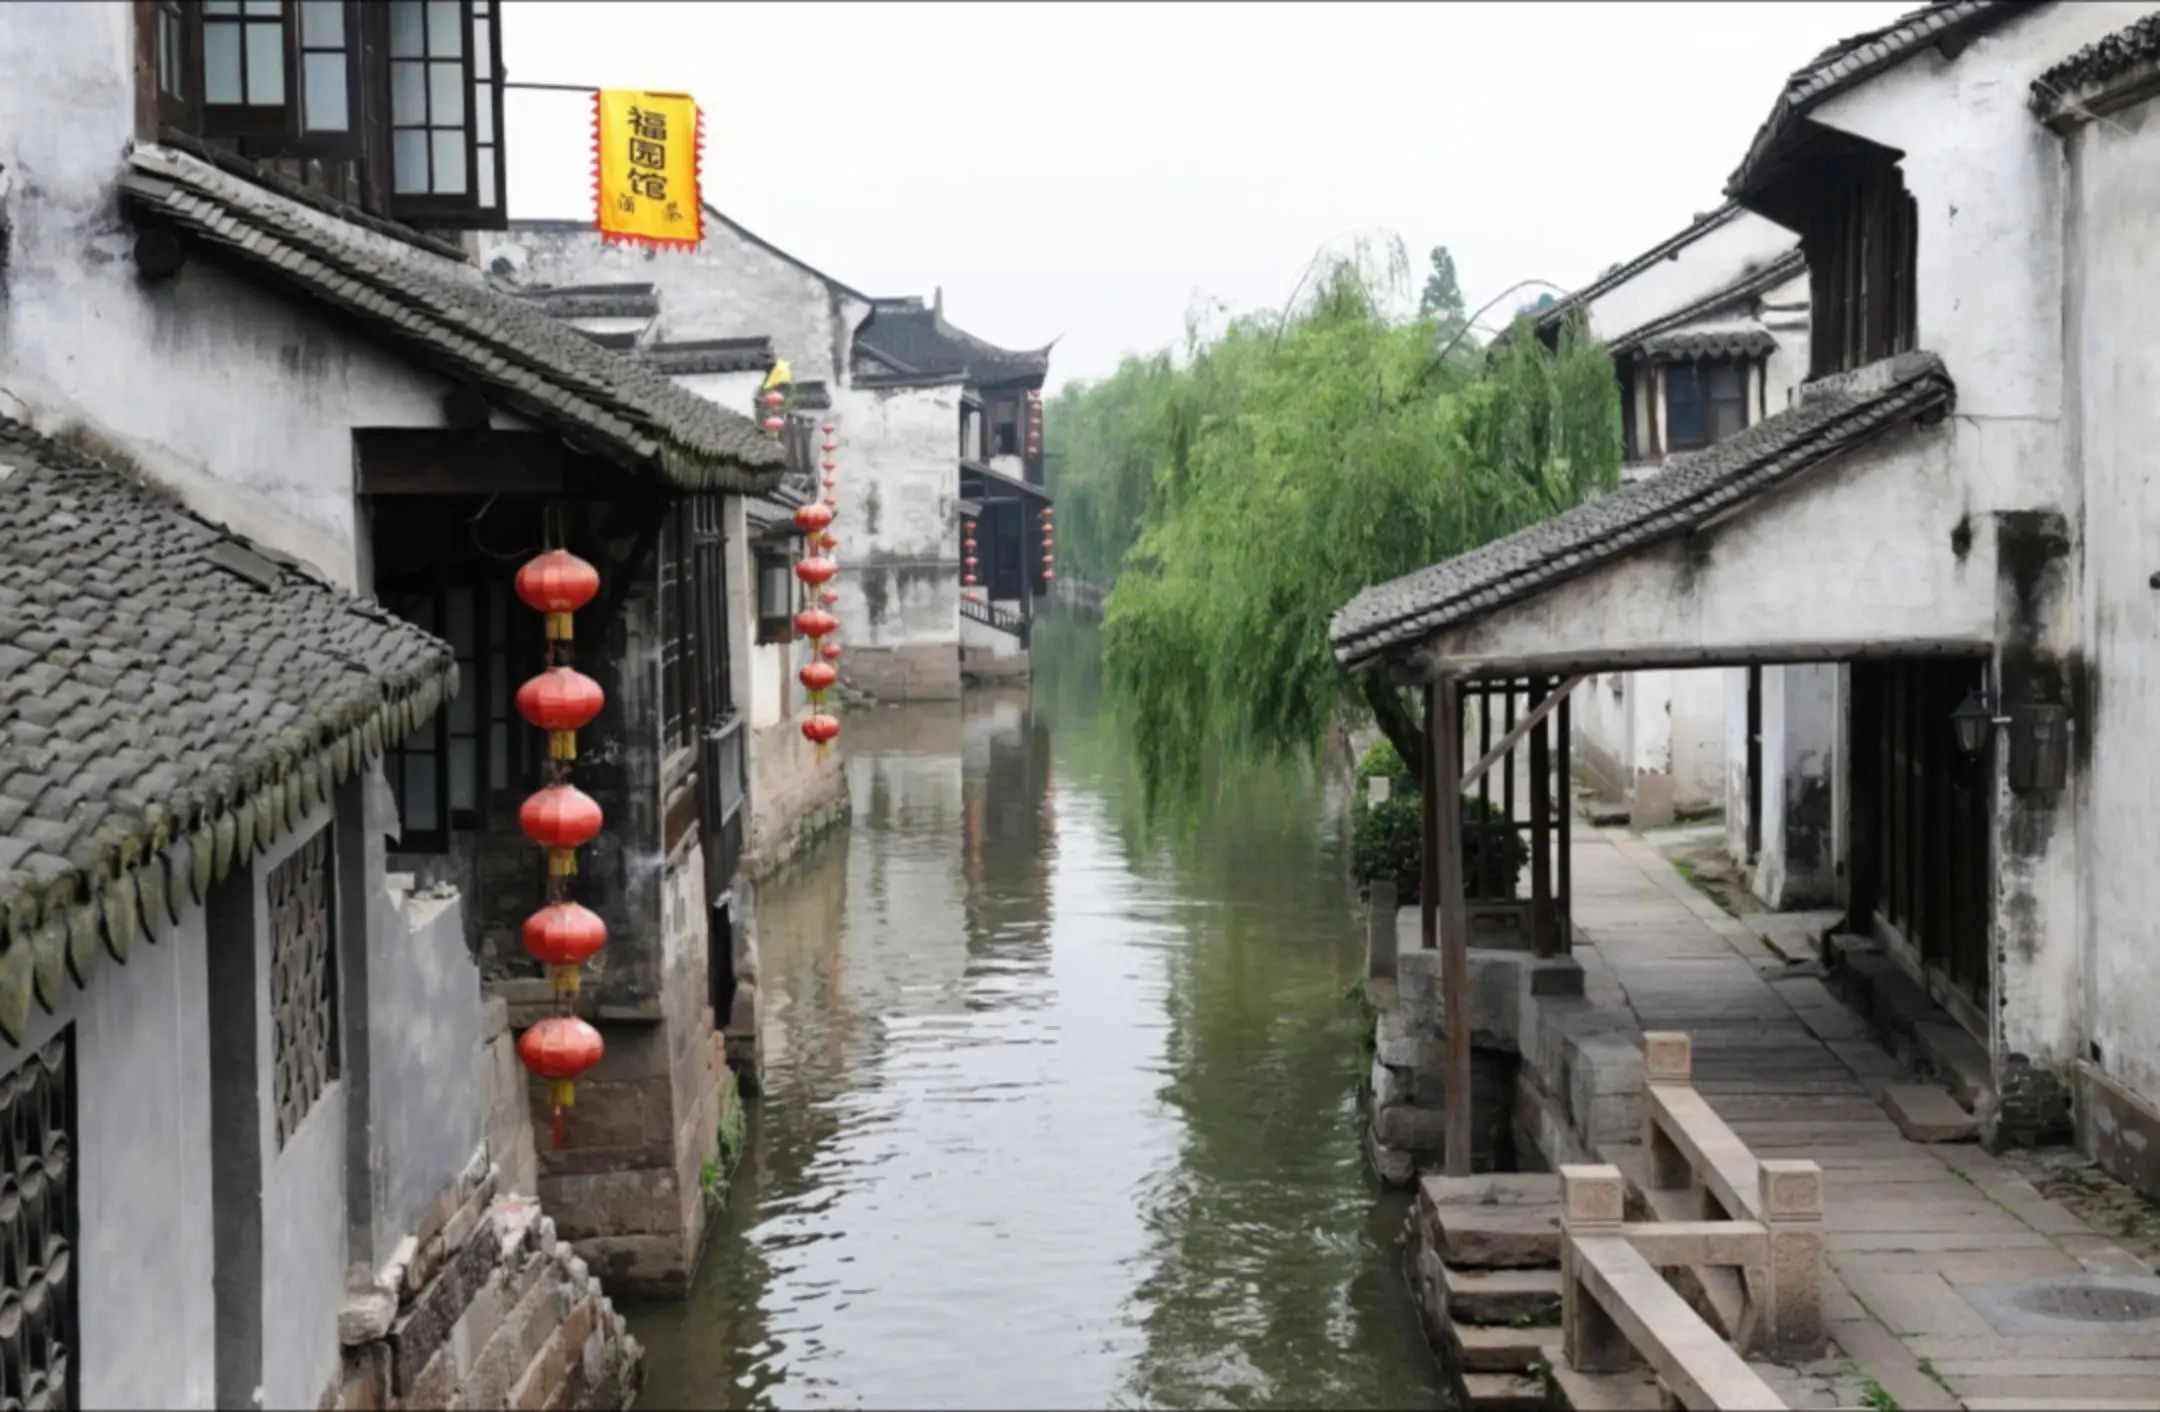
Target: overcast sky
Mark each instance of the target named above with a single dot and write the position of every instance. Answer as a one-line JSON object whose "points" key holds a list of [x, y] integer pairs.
{"points": [[1086, 172]]}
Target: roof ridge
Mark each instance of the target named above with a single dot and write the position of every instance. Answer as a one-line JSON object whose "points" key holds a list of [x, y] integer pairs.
{"points": [[1754, 282]]}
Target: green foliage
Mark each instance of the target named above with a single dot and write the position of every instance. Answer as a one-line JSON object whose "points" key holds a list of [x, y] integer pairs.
{"points": [[1442, 298], [1244, 493], [1384, 761], [1384, 843]]}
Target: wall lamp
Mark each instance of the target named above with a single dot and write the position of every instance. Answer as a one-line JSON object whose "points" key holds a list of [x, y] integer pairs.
{"points": [[1974, 718]]}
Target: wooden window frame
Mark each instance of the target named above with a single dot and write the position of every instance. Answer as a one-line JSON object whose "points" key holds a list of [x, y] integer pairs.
{"points": [[490, 671], [462, 212], [1699, 372], [681, 680], [1863, 268], [773, 627]]}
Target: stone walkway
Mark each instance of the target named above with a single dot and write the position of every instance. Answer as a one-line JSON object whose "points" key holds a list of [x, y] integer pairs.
{"points": [[1951, 1280]]}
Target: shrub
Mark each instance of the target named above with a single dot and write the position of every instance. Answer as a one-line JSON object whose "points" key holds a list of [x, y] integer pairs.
{"points": [[1385, 844]]}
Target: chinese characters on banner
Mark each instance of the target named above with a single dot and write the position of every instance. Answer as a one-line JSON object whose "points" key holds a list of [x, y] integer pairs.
{"points": [[648, 147]]}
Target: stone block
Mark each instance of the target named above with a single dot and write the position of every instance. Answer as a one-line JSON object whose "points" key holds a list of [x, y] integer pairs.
{"points": [[1924, 1113], [431, 1388], [424, 1328], [1504, 1392], [517, 1340], [1668, 1057], [1390, 1087], [1490, 1189], [640, 1266], [367, 1314], [645, 1200], [1593, 1195], [1790, 1189], [1406, 1052], [1499, 1237], [1480, 1349], [1517, 1297], [1411, 1128], [494, 1018], [1417, 991]]}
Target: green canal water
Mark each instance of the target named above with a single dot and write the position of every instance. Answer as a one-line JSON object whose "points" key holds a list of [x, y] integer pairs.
{"points": [[1058, 1113]]}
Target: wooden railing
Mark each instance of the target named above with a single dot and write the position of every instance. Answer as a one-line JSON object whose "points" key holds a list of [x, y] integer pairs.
{"points": [[990, 615], [1716, 1208]]}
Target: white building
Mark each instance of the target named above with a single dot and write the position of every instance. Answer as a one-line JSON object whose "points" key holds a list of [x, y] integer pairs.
{"points": [[932, 436], [1955, 512], [276, 1130]]}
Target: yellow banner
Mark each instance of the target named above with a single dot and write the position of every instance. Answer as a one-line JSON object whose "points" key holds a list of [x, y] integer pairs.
{"points": [[648, 147]]}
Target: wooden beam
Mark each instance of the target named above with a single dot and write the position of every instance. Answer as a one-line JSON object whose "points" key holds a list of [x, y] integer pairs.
{"points": [[433, 461], [1429, 857], [1522, 728], [1419, 665], [1544, 940], [1444, 742]]}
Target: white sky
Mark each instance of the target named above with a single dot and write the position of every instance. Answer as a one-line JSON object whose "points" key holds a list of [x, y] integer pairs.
{"points": [[1090, 170]]}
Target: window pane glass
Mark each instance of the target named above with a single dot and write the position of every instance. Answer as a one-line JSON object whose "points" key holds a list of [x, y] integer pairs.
{"points": [[1730, 417], [449, 162], [446, 95], [1725, 380], [458, 613], [420, 811], [323, 103], [322, 24], [221, 63], [408, 94], [408, 161], [465, 706], [221, 7], [483, 48], [483, 111], [499, 756], [266, 66], [486, 176], [498, 614], [445, 30], [464, 773], [408, 33], [266, 7]]}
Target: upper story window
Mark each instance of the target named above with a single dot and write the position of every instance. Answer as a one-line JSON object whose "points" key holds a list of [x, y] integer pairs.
{"points": [[1704, 402], [1862, 256], [395, 105]]}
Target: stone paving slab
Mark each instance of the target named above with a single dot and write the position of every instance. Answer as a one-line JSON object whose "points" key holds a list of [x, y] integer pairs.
{"points": [[1926, 1244]]}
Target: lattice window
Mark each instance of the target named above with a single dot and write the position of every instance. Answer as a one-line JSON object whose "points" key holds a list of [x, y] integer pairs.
{"points": [[37, 1226], [303, 982]]}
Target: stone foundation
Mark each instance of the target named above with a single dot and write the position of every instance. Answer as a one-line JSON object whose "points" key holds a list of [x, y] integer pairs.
{"points": [[920, 672], [980, 664], [483, 1306], [795, 798]]}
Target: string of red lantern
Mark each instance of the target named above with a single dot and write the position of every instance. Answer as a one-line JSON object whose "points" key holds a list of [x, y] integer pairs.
{"points": [[967, 567], [561, 818], [1048, 540], [816, 572]]}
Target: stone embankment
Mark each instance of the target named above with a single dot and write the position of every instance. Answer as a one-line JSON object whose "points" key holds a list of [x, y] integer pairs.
{"points": [[482, 1306]]}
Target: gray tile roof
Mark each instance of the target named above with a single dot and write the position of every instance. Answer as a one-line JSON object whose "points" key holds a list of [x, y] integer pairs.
{"points": [[709, 355], [914, 339], [1740, 295], [2109, 57], [1547, 319], [1683, 345], [1858, 58], [1833, 415], [599, 400], [171, 699], [594, 301]]}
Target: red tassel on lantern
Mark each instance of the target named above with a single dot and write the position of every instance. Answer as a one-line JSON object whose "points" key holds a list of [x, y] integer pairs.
{"points": [[558, 1049]]}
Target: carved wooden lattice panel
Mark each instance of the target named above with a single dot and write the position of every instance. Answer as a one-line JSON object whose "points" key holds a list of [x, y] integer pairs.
{"points": [[37, 1218], [303, 990]]}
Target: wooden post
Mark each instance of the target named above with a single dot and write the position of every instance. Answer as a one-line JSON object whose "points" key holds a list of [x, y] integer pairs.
{"points": [[1542, 927], [1429, 859], [1443, 741], [1566, 861]]}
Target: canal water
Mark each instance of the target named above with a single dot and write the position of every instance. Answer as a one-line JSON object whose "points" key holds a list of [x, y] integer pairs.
{"points": [[1058, 1113]]}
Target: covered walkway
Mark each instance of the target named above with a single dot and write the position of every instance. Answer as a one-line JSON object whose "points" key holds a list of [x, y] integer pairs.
{"points": [[1950, 1280]]}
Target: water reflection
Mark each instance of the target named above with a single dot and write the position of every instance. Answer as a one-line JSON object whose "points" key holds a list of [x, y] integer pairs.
{"points": [[1057, 1114]]}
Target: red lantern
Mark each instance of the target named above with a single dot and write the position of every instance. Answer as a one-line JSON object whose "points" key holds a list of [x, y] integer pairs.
{"points": [[830, 445], [831, 466], [828, 540], [816, 623], [810, 519], [817, 677], [557, 583], [830, 651], [968, 581], [1048, 560], [968, 544], [1048, 576], [565, 936], [1044, 513], [830, 482], [773, 425], [815, 571], [969, 561], [819, 729], [828, 595], [558, 1049], [967, 527], [561, 702], [774, 397], [560, 818], [827, 428]]}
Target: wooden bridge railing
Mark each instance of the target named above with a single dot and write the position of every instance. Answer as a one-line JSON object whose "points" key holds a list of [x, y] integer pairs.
{"points": [[1718, 1208]]}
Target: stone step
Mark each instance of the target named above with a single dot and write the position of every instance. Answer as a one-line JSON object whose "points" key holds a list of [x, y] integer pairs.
{"points": [[1499, 1237], [1924, 1113], [1519, 1298], [1502, 1348], [1491, 1189], [1503, 1392], [1637, 1391]]}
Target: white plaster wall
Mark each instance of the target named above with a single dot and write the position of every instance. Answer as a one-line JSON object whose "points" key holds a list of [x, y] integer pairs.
{"points": [[2115, 296], [1800, 713], [1757, 580], [144, 1245], [1697, 270], [238, 400], [1649, 715], [1738, 802], [899, 551], [1598, 715], [1697, 739], [731, 287]]}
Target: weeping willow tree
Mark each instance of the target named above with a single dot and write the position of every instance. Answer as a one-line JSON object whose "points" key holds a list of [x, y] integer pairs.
{"points": [[1285, 465]]}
